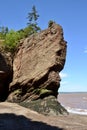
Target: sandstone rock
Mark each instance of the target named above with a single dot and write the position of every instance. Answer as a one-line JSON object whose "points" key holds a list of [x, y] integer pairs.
{"points": [[5, 74], [37, 64]]}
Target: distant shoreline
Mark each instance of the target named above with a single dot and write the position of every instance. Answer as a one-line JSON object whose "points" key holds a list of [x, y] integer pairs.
{"points": [[70, 92]]}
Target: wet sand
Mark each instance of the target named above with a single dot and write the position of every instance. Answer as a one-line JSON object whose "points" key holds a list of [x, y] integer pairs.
{"points": [[15, 117]]}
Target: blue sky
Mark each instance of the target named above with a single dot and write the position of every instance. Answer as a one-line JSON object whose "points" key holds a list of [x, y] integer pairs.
{"points": [[72, 16]]}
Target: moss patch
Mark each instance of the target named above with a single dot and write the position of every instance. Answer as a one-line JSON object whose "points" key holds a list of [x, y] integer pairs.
{"points": [[17, 92], [42, 92], [46, 106]]}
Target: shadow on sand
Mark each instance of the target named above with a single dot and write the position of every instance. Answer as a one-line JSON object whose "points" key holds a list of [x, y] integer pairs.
{"points": [[20, 122]]}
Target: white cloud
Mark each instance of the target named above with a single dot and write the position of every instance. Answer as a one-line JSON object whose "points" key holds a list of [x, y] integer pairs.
{"points": [[64, 82], [63, 75], [85, 50]]}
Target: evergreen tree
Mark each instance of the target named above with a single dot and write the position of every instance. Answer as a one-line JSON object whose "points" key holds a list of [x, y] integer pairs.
{"points": [[32, 18], [3, 32]]}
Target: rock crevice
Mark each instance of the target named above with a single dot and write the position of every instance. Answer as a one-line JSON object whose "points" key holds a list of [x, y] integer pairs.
{"points": [[6, 73]]}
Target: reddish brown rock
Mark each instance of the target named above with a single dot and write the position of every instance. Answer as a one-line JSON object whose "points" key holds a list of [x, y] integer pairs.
{"points": [[37, 64]]}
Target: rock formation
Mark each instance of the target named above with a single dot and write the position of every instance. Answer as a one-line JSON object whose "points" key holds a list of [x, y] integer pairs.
{"points": [[36, 66]]}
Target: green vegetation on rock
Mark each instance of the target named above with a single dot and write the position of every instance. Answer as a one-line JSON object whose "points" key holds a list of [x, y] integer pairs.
{"points": [[18, 91], [50, 23], [42, 92], [9, 39], [47, 106]]}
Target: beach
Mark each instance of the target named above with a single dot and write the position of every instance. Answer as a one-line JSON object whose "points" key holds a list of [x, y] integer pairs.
{"points": [[15, 117]]}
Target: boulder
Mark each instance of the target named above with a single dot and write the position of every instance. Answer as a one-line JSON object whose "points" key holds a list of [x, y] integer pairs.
{"points": [[36, 66]]}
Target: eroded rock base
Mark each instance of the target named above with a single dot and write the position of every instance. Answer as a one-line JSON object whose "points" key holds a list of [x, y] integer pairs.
{"points": [[47, 106]]}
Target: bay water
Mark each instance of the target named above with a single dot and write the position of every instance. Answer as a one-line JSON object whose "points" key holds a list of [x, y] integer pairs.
{"points": [[74, 102]]}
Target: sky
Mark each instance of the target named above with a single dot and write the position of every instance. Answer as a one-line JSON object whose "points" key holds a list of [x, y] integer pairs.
{"points": [[72, 16]]}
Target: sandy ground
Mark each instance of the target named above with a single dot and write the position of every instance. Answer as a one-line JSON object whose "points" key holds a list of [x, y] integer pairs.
{"points": [[15, 117]]}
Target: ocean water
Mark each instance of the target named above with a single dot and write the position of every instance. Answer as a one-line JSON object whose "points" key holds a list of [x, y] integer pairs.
{"points": [[74, 102]]}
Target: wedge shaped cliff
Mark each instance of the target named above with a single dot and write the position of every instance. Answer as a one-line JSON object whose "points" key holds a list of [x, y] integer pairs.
{"points": [[36, 67]]}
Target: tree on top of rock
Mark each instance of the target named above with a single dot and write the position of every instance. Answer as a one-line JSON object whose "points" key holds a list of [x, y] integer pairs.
{"points": [[32, 18]]}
